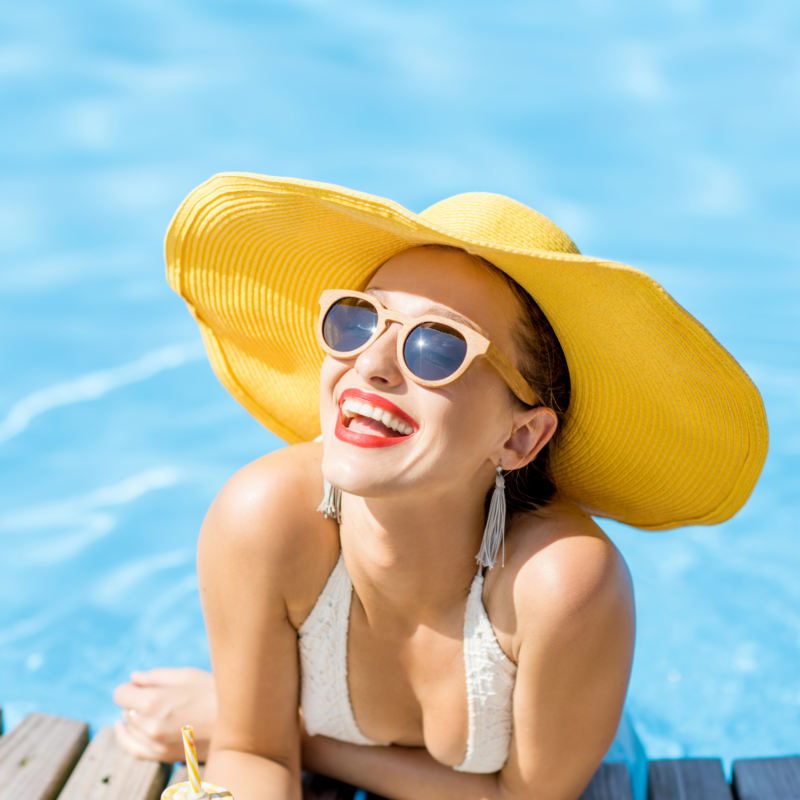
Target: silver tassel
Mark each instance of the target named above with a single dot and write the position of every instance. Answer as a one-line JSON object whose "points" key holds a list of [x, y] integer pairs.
{"points": [[494, 534], [331, 505]]}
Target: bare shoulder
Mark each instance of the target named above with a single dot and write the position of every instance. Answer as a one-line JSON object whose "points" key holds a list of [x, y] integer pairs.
{"points": [[562, 576], [263, 529]]}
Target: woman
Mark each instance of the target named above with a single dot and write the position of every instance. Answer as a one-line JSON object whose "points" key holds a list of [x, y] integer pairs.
{"points": [[473, 361]]}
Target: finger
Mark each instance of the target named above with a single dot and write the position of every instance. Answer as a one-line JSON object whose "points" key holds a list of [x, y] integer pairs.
{"points": [[126, 695], [160, 676], [136, 745], [148, 727], [154, 747], [124, 740], [119, 693], [144, 701]]}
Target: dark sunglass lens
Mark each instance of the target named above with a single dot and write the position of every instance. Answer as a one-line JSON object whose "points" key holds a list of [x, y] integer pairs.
{"points": [[349, 324], [434, 352]]}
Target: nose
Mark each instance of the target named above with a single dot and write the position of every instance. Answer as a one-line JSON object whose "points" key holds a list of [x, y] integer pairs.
{"points": [[377, 365]]}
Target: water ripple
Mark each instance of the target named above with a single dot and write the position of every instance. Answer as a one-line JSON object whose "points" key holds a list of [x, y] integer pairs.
{"points": [[125, 577], [69, 526], [96, 384], [30, 626], [78, 509]]}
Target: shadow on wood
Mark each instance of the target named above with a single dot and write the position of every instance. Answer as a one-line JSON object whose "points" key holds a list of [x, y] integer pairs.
{"points": [[318, 787], [37, 757], [687, 779], [610, 782], [315, 787], [767, 778]]}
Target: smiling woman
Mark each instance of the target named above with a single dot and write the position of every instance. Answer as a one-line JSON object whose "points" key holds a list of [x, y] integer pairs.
{"points": [[446, 359]]}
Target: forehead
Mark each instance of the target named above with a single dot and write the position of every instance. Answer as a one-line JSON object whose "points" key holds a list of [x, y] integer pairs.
{"points": [[427, 279]]}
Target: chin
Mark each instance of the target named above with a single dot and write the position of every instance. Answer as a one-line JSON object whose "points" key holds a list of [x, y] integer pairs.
{"points": [[361, 472]]}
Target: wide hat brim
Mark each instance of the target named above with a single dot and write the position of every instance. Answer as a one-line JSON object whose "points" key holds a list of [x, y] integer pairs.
{"points": [[664, 427]]}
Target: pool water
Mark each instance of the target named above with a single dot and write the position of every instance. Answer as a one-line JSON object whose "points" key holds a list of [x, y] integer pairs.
{"points": [[663, 135]]}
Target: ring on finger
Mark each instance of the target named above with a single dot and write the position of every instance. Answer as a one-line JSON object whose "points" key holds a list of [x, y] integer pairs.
{"points": [[130, 713]]}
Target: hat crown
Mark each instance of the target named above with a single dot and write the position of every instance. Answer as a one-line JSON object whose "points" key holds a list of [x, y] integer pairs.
{"points": [[499, 220]]}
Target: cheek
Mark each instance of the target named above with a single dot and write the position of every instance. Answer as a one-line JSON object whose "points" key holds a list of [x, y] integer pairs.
{"points": [[329, 375], [479, 412]]}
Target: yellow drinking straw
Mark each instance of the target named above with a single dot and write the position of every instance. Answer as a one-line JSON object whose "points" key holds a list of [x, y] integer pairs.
{"points": [[194, 788], [198, 793]]}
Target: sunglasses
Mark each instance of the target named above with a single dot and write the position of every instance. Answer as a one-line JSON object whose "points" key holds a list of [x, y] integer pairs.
{"points": [[431, 351]]}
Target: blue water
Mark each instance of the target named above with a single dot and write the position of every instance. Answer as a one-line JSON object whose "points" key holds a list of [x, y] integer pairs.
{"points": [[661, 134]]}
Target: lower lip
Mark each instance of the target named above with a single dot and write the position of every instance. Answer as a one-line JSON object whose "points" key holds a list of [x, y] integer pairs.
{"points": [[364, 439]]}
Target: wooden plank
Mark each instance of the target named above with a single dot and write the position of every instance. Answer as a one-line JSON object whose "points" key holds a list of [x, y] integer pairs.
{"points": [[37, 757], [767, 778], [107, 772], [687, 779], [610, 782]]}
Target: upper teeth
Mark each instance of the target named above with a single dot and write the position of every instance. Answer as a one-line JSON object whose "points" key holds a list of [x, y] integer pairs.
{"points": [[352, 407]]}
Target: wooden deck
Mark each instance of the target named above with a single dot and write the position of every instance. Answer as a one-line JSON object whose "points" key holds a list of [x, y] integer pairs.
{"points": [[48, 757]]}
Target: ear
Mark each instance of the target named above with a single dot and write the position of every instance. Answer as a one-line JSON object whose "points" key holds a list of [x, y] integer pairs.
{"points": [[532, 430]]}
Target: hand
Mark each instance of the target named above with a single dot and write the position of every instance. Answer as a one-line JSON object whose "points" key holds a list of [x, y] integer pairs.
{"points": [[157, 704]]}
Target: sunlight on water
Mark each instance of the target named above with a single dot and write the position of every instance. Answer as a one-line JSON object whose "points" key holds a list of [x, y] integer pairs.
{"points": [[662, 135]]}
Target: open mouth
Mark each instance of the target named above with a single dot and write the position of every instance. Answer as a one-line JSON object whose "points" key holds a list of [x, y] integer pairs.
{"points": [[370, 421]]}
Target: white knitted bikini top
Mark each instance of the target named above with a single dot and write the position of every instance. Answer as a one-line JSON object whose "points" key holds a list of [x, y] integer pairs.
{"points": [[325, 695]]}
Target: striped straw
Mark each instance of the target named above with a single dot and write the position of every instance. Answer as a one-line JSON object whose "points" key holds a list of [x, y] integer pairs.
{"points": [[191, 763]]}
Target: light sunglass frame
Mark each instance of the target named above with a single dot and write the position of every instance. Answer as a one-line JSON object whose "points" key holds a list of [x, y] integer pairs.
{"points": [[478, 346]]}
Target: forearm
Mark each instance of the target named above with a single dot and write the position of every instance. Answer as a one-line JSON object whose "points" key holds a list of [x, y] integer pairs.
{"points": [[398, 773], [251, 777]]}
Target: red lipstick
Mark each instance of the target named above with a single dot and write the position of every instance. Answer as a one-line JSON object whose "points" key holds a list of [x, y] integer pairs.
{"points": [[364, 439]]}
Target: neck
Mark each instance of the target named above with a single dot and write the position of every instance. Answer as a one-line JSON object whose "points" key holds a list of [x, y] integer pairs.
{"points": [[411, 560]]}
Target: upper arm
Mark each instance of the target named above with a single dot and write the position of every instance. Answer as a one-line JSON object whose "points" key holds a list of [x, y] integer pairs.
{"points": [[575, 618], [262, 555]]}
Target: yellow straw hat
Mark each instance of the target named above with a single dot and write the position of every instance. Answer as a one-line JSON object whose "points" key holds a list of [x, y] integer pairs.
{"points": [[664, 428]]}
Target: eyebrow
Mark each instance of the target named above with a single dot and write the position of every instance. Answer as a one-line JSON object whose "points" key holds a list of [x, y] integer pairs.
{"points": [[434, 308]]}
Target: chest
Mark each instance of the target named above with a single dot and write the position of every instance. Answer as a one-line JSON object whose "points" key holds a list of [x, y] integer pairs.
{"points": [[412, 689], [446, 686]]}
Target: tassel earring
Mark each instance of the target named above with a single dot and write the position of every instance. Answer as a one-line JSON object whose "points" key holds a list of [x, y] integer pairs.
{"points": [[331, 505], [494, 534]]}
